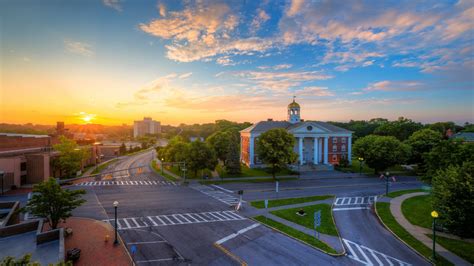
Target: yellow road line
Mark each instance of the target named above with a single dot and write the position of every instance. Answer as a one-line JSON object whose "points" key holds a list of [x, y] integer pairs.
{"points": [[231, 255]]}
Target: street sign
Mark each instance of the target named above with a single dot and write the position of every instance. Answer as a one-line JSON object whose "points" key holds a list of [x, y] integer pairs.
{"points": [[266, 204], [133, 249], [276, 186], [317, 222]]}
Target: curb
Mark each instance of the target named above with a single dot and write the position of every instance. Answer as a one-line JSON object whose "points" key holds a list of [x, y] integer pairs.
{"points": [[396, 236], [230, 254], [301, 241], [337, 229]]}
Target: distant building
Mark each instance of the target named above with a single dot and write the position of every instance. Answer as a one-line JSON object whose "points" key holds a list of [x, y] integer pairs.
{"points": [[316, 142], [146, 126], [464, 136]]}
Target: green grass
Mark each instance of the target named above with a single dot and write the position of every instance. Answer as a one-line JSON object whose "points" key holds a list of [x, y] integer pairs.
{"points": [[101, 167], [260, 204], [417, 210], [459, 247], [157, 169], [252, 172], [259, 180], [355, 168], [383, 209], [310, 240], [402, 192], [327, 225], [189, 174]]}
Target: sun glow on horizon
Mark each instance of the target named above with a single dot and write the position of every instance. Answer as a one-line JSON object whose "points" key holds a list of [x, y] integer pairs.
{"points": [[86, 118]]}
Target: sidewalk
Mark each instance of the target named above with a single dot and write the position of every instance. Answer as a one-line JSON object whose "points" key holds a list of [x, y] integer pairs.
{"points": [[89, 236], [418, 232]]}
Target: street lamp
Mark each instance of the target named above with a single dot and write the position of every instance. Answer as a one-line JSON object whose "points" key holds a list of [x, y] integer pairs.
{"points": [[387, 174], [2, 174], [360, 165], [434, 214], [115, 207], [162, 159]]}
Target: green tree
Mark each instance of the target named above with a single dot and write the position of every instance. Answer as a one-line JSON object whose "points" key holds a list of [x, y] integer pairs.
{"points": [[442, 127], [446, 153], [52, 202], [221, 142], [453, 198], [233, 160], [422, 141], [123, 149], [23, 261], [70, 156], [381, 152], [200, 156], [400, 129], [275, 149]]}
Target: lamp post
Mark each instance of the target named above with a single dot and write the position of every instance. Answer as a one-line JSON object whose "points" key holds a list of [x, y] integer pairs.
{"points": [[162, 159], [361, 160], [2, 174], [434, 214], [387, 174], [115, 207]]}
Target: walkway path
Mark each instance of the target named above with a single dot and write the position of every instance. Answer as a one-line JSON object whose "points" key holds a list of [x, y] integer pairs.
{"points": [[418, 232]]}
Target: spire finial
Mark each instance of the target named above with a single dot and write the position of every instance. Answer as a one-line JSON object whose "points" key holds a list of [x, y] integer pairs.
{"points": [[294, 97]]}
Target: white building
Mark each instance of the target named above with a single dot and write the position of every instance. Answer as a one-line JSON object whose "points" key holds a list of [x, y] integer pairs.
{"points": [[316, 142], [147, 126]]}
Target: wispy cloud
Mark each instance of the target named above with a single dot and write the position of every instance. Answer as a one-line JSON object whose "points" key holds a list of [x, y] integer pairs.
{"points": [[114, 4], [80, 48]]}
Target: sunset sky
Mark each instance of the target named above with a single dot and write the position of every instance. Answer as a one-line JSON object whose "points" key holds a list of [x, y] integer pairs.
{"points": [[113, 61]]}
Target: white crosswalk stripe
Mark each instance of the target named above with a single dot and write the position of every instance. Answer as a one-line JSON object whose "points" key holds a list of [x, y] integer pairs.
{"points": [[345, 201], [176, 219], [218, 195], [127, 183], [369, 256]]}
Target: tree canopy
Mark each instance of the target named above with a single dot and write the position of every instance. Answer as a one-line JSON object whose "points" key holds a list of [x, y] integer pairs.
{"points": [[381, 152], [400, 129], [200, 156], [453, 198], [70, 157], [275, 149], [421, 142], [52, 202]]}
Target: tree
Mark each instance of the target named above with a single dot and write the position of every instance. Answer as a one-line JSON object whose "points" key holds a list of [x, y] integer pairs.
{"points": [[52, 202], [71, 156], [381, 152], [221, 142], [447, 153], [453, 198], [233, 160], [442, 127], [275, 149], [123, 149], [422, 141], [401, 128], [23, 261], [200, 156]]}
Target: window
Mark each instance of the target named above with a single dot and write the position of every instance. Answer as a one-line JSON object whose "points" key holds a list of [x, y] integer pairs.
{"points": [[334, 158], [334, 140], [343, 147], [343, 140], [334, 148]]}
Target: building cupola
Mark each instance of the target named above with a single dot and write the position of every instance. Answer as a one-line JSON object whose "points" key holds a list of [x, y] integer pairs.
{"points": [[294, 112]]}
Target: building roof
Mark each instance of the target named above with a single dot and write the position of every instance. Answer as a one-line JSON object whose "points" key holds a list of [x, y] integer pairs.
{"points": [[466, 136], [293, 104], [264, 126], [23, 135]]}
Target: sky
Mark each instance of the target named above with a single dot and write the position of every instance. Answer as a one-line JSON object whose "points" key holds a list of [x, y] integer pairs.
{"points": [[116, 61]]}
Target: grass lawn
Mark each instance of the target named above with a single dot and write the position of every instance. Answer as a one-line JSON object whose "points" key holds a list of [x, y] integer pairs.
{"points": [[310, 240], [402, 192], [260, 180], [327, 224], [252, 172], [383, 210], [260, 204], [189, 174], [355, 168], [461, 248], [101, 167], [417, 210], [157, 168]]}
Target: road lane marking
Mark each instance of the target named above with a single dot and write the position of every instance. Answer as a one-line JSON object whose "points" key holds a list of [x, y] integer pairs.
{"points": [[241, 231], [351, 209], [221, 188], [146, 242], [345, 201], [369, 255]]}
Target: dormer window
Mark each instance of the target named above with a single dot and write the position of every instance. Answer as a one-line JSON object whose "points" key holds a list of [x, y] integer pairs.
{"points": [[334, 140]]}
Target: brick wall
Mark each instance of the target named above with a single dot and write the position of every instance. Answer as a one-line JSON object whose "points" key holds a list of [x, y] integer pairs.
{"points": [[337, 149], [18, 142], [245, 152]]}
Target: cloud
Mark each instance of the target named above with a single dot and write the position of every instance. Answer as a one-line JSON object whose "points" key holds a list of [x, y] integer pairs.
{"points": [[294, 8], [314, 91], [79, 48], [387, 85], [276, 67], [185, 75], [115, 4], [162, 9], [258, 20]]}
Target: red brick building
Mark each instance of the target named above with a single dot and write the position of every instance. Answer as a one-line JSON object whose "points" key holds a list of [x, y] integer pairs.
{"points": [[317, 143]]}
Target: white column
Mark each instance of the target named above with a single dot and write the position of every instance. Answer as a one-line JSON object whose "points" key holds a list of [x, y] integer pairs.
{"points": [[326, 149], [320, 150], [251, 152], [316, 149], [349, 149], [300, 149]]}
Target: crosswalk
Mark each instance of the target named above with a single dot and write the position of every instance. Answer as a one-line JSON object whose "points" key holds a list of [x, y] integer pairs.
{"points": [[218, 195], [369, 256], [176, 219], [355, 200], [128, 183]]}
